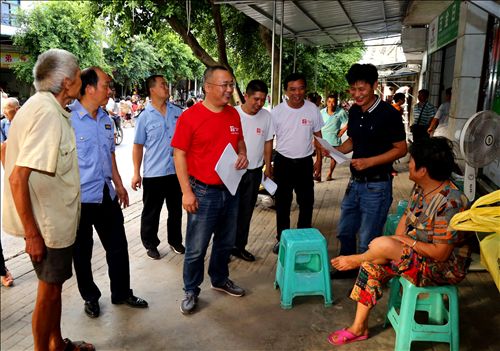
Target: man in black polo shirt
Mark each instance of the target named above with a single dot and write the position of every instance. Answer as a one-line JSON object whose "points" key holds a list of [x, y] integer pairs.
{"points": [[377, 138]]}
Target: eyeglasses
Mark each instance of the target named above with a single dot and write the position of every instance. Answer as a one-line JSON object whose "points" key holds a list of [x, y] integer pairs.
{"points": [[224, 85]]}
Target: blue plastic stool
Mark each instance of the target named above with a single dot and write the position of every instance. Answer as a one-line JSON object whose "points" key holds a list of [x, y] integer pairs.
{"points": [[302, 267], [444, 327]]}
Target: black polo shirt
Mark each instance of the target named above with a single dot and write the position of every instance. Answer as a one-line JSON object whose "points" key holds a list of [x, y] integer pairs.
{"points": [[372, 133]]}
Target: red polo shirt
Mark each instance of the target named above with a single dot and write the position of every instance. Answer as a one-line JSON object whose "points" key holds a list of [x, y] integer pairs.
{"points": [[203, 135]]}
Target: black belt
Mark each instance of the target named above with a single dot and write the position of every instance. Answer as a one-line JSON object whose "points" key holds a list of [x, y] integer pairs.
{"points": [[373, 178], [255, 170], [294, 160], [214, 186]]}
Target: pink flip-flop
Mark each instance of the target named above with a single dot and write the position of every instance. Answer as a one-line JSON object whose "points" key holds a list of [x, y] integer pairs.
{"points": [[344, 336]]}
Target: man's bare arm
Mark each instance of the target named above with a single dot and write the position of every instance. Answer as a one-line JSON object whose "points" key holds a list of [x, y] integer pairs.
{"points": [[137, 153], [189, 201], [117, 180], [18, 180], [398, 150]]}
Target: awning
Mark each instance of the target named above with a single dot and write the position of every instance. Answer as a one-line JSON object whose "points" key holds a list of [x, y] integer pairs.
{"points": [[329, 23]]}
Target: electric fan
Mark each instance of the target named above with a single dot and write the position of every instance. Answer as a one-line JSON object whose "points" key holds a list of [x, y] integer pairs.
{"points": [[479, 142]]}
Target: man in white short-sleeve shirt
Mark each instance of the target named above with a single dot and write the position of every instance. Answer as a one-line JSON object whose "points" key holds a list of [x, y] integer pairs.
{"points": [[295, 123], [258, 134], [439, 124]]}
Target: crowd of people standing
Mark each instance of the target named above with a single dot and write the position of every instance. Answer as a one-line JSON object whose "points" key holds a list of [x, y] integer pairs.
{"points": [[62, 182]]}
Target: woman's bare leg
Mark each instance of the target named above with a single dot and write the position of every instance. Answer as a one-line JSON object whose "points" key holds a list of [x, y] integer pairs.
{"points": [[381, 250]]}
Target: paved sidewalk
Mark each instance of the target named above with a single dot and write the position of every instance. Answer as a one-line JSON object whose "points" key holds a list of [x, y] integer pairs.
{"points": [[222, 322]]}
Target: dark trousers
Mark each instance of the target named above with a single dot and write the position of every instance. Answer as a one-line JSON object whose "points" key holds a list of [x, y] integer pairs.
{"points": [[289, 175], [248, 191], [107, 219], [157, 190], [3, 269]]}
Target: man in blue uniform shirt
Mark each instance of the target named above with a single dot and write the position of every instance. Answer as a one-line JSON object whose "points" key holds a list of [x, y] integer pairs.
{"points": [[154, 131], [100, 202]]}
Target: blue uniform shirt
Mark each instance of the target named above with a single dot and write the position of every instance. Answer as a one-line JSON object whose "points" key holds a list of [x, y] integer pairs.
{"points": [[4, 132], [95, 142], [155, 132]]}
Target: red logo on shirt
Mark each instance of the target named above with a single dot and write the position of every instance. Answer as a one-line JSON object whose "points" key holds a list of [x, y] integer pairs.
{"points": [[259, 131], [306, 122], [234, 130]]}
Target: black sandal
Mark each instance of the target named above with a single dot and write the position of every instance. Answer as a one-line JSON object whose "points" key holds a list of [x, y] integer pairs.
{"points": [[78, 345]]}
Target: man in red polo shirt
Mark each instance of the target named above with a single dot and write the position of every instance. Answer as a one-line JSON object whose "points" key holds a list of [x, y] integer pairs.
{"points": [[201, 135]]}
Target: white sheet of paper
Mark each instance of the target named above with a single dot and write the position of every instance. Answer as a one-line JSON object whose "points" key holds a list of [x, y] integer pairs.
{"points": [[229, 175], [269, 185], [336, 155]]}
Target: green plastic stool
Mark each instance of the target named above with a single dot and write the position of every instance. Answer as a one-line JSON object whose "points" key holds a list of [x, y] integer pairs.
{"points": [[393, 219], [444, 323], [402, 204], [391, 224], [303, 267]]}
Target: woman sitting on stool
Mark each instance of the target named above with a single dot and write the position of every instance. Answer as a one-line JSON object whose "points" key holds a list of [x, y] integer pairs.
{"points": [[424, 250]]}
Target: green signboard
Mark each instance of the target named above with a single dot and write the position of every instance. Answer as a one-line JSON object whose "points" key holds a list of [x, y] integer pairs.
{"points": [[448, 24]]}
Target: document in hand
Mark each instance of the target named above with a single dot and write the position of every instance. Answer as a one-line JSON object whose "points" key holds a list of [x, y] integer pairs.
{"points": [[227, 171], [269, 185], [334, 153]]}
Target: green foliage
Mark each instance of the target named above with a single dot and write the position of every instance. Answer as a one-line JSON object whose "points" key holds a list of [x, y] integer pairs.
{"points": [[177, 60], [59, 24], [133, 61], [135, 58], [140, 42], [325, 68]]}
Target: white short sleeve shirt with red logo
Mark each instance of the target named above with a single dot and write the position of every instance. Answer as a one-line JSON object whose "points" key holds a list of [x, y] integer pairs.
{"points": [[294, 128], [257, 129]]}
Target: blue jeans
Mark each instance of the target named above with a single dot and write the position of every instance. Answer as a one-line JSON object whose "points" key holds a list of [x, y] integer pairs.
{"points": [[217, 214], [364, 209]]}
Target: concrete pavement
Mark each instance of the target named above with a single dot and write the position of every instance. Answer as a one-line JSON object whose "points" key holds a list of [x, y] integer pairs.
{"points": [[222, 322]]}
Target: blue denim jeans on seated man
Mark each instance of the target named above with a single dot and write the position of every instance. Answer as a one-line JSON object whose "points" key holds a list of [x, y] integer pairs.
{"points": [[217, 214], [364, 209]]}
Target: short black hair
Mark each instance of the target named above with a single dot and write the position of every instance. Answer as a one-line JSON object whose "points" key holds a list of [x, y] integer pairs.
{"points": [[448, 91], [436, 155], [399, 97], [190, 102], [151, 81], [424, 92], [211, 69], [255, 86], [362, 72], [89, 77], [294, 77], [335, 98]]}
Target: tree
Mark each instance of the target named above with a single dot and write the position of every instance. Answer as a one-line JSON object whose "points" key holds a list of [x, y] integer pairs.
{"points": [[59, 24], [132, 62], [139, 17], [135, 58], [221, 35]]}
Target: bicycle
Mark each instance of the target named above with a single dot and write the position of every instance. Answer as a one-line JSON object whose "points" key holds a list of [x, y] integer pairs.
{"points": [[118, 130]]}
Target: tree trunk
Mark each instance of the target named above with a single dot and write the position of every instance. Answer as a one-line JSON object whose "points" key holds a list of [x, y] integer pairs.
{"points": [[188, 38], [198, 51], [267, 36]]}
